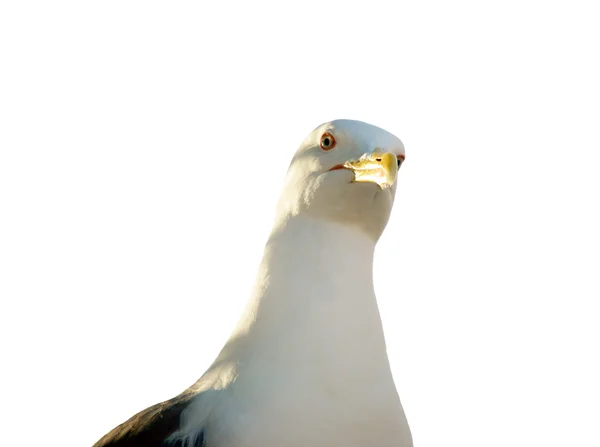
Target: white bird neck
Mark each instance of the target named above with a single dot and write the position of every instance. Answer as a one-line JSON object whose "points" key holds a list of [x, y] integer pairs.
{"points": [[313, 301], [307, 364]]}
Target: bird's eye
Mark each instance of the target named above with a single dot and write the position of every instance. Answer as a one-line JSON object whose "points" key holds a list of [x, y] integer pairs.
{"points": [[400, 160], [327, 141]]}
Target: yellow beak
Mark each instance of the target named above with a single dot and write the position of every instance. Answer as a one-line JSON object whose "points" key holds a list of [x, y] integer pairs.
{"points": [[376, 167]]}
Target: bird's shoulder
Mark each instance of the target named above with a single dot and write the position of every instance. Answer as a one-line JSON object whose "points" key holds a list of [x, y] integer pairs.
{"points": [[151, 427]]}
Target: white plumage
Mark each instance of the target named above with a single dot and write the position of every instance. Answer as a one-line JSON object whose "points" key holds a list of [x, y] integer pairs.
{"points": [[307, 363]]}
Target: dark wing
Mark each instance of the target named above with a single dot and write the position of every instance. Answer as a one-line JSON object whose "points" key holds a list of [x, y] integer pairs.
{"points": [[150, 427]]}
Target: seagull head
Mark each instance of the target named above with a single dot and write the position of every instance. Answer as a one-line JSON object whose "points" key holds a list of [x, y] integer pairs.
{"points": [[345, 171]]}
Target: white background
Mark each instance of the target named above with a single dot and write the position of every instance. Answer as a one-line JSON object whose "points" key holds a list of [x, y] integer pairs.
{"points": [[142, 150]]}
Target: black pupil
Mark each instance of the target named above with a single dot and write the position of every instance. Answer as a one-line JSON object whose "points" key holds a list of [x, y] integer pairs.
{"points": [[325, 141]]}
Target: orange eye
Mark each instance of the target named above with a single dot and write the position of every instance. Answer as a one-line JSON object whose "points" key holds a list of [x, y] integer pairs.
{"points": [[327, 141]]}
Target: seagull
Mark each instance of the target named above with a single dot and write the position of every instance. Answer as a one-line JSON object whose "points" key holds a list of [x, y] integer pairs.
{"points": [[306, 364]]}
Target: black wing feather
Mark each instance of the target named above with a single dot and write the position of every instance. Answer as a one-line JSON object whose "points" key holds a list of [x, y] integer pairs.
{"points": [[151, 427]]}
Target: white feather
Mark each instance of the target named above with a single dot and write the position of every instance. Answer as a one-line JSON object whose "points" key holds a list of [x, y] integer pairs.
{"points": [[307, 363]]}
